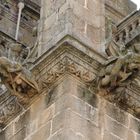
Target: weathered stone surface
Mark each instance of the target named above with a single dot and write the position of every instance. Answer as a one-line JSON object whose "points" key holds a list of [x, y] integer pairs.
{"points": [[37, 107], [117, 114], [20, 135], [46, 115], [138, 137], [42, 133], [71, 17], [94, 33], [58, 122], [68, 134], [131, 135], [80, 125], [92, 114], [21, 122], [67, 108], [135, 124], [109, 136], [9, 131], [87, 96], [115, 127], [2, 136], [32, 126]]}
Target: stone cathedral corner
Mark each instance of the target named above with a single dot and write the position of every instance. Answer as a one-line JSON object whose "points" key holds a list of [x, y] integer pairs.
{"points": [[69, 70]]}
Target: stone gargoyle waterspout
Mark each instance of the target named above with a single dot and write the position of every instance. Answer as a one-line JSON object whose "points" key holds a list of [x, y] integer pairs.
{"points": [[118, 69], [122, 63], [17, 79]]}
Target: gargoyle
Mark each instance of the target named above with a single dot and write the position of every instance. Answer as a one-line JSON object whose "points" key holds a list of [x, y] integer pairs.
{"points": [[118, 69], [17, 79], [122, 62]]}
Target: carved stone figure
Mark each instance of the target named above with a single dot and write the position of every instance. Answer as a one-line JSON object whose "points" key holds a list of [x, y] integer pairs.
{"points": [[15, 50], [13, 75], [111, 47], [17, 79], [121, 64], [34, 50], [120, 68], [12, 50]]}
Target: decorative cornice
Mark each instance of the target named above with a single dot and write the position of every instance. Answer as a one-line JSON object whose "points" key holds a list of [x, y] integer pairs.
{"points": [[114, 11], [67, 66]]}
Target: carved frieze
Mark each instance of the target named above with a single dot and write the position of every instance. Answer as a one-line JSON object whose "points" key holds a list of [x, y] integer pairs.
{"points": [[65, 59], [67, 66]]}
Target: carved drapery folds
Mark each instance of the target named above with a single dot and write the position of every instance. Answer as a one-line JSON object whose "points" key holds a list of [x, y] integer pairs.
{"points": [[16, 78]]}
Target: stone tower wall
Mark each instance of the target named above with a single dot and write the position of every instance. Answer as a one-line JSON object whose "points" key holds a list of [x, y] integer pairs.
{"points": [[71, 112], [71, 34]]}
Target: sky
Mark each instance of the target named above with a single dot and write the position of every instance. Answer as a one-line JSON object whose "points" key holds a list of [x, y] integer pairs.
{"points": [[137, 2]]}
